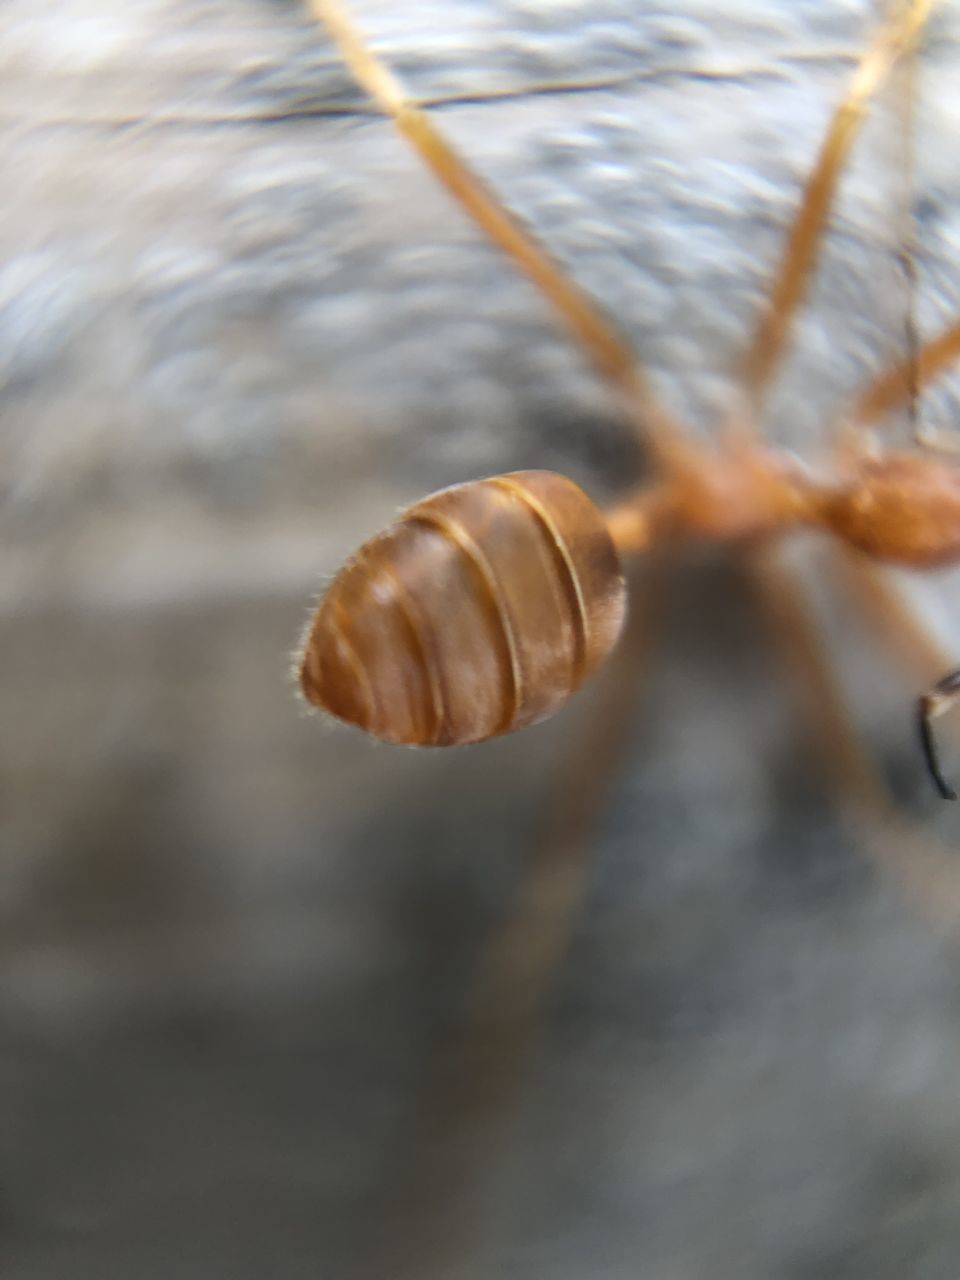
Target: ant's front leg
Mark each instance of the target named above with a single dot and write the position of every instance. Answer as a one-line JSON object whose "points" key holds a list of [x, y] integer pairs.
{"points": [[940, 699]]}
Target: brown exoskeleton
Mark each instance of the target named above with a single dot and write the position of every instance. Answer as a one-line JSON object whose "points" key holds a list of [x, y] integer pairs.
{"points": [[485, 606]]}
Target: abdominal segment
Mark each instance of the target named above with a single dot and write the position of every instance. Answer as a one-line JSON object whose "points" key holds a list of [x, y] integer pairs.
{"points": [[480, 611]]}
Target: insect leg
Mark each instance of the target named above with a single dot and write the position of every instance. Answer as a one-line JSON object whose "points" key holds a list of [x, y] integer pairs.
{"points": [[793, 274], [851, 773], [446, 1200], [903, 383], [895, 385], [593, 330], [926, 872], [912, 643], [924, 435]]}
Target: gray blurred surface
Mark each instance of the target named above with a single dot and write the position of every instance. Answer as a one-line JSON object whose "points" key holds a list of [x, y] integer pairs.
{"points": [[239, 327]]}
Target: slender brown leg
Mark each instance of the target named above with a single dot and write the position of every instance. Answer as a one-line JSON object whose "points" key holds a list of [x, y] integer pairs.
{"points": [[441, 1220], [803, 243], [850, 772], [902, 382], [899, 626], [897, 385], [924, 435], [594, 331], [928, 873]]}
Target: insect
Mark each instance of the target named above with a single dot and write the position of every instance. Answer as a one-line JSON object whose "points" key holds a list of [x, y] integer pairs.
{"points": [[484, 607], [487, 605]]}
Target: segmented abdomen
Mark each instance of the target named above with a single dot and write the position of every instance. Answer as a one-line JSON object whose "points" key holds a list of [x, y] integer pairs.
{"points": [[480, 611]]}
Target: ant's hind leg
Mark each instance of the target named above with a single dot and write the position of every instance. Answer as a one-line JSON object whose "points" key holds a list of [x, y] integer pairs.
{"points": [[594, 331], [792, 278]]}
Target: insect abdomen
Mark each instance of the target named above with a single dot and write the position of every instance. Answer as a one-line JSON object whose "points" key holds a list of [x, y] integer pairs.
{"points": [[480, 611]]}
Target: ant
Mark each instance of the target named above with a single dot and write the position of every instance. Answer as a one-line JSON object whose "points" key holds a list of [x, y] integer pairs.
{"points": [[487, 605]]}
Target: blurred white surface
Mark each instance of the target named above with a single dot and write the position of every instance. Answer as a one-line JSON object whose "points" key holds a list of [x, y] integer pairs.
{"points": [[238, 328]]}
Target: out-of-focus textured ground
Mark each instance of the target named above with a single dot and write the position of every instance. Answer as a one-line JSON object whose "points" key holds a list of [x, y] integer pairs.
{"points": [[238, 329]]}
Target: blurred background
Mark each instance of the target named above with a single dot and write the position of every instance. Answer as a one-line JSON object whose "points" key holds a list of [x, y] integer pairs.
{"points": [[240, 328]]}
